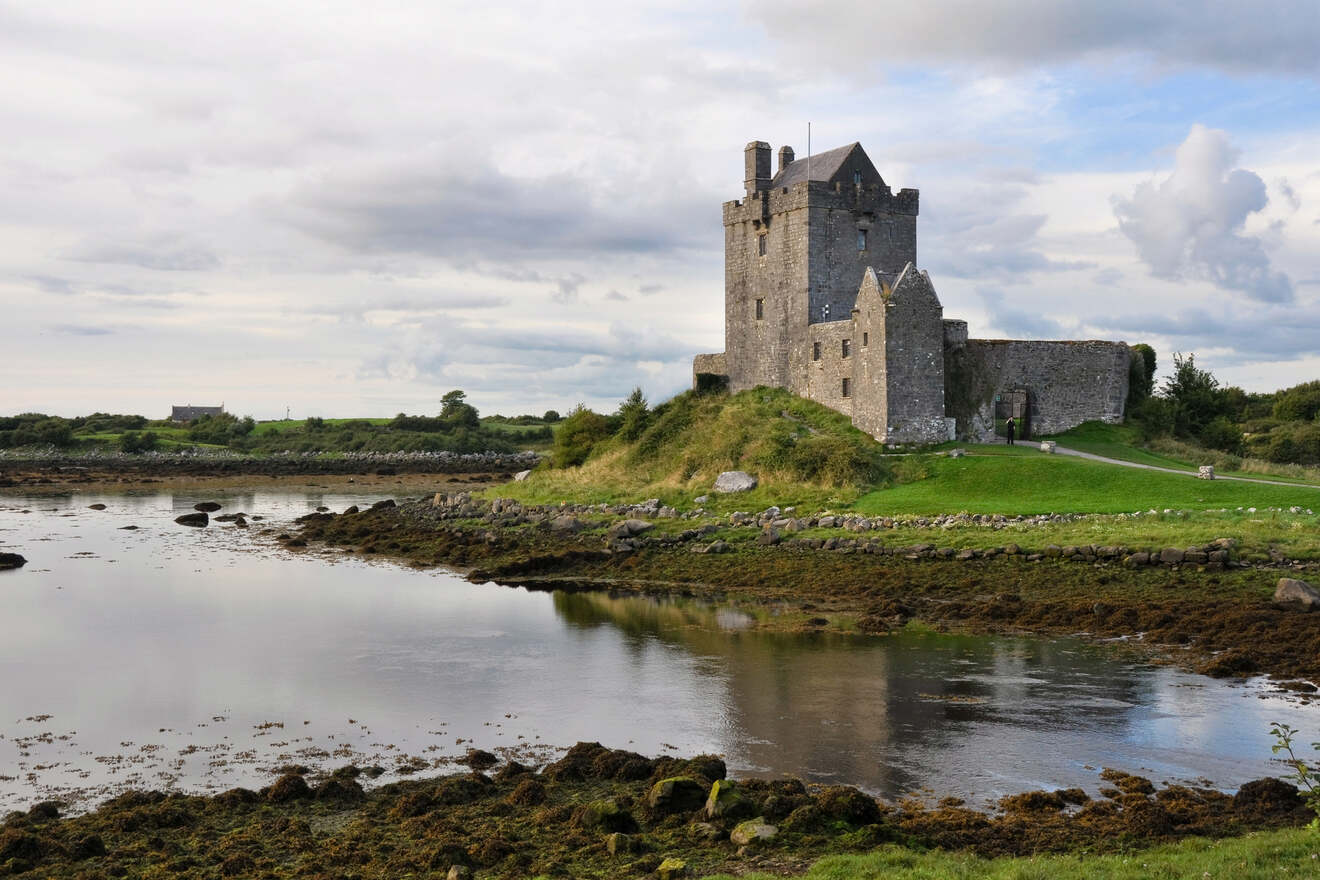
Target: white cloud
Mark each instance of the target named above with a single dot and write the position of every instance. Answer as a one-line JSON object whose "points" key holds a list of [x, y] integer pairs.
{"points": [[1190, 224], [1279, 36]]}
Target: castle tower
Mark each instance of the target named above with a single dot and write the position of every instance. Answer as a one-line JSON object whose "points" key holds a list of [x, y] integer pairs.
{"points": [[796, 248]]}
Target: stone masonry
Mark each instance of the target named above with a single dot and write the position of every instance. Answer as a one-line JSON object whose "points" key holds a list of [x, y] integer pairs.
{"points": [[822, 296]]}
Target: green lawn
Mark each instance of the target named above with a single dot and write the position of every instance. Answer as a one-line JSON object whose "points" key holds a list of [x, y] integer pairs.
{"points": [[1122, 442], [1015, 483], [286, 424], [1290, 853]]}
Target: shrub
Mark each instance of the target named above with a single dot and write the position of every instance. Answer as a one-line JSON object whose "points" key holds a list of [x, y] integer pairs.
{"points": [[577, 436], [1223, 435], [132, 441]]}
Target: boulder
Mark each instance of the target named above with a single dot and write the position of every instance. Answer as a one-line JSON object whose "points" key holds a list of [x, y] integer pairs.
{"points": [[207, 506], [677, 794], [1205, 472], [726, 802], [1297, 594], [629, 528], [1171, 555], [97, 506], [957, 453], [193, 519], [605, 815], [521, 476], [382, 505], [459, 872], [768, 537], [734, 481], [619, 844], [752, 831], [11, 560], [1048, 447], [671, 869], [567, 523]]}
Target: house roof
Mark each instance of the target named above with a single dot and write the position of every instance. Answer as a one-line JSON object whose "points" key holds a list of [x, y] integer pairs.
{"points": [[823, 165]]}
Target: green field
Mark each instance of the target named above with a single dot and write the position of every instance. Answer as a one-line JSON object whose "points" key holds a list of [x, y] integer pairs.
{"points": [[282, 425], [1290, 853], [1030, 482]]}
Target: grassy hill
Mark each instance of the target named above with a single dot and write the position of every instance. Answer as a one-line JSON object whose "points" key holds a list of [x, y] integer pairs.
{"points": [[809, 456], [802, 453]]}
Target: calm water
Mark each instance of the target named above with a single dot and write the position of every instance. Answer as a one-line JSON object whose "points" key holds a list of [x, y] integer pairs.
{"points": [[204, 658]]}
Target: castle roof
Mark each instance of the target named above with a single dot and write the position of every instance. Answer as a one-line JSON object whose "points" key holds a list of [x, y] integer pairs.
{"points": [[824, 166]]}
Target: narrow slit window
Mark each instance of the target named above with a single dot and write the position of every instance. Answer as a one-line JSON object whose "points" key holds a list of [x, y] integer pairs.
{"points": [[857, 178], [760, 309], [861, 239], [847, 347], [866, 337], [760, 245], [815, 351], [847, 388]]}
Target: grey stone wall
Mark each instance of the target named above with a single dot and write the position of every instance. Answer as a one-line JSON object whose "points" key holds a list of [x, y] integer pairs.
{"points": [[870, 410], [710, 365], [838, 213], [1069, 382], [824, 377], [914, 360]]}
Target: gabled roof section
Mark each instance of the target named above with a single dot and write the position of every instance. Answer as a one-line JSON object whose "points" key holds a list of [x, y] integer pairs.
{"points": [[913, 285], [828, 165]]}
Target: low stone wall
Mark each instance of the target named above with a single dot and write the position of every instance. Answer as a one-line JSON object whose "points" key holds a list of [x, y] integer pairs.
{"points": [[1069, 383]]}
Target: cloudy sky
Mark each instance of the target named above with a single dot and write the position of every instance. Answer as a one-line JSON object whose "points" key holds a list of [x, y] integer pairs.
{"points": [[348, 209]]}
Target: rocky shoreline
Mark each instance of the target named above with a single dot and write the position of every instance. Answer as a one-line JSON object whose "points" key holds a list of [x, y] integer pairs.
{"points": [[595, 812], [1207, 607], [30, 472]]}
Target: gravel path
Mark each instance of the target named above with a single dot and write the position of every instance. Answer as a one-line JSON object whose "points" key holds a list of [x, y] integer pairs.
{"points": [[1150, 467]]}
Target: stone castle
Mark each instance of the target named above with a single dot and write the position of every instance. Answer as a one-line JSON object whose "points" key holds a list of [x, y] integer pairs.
{"points": [[822, 296]]}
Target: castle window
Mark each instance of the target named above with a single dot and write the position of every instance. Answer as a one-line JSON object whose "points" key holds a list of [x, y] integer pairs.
{"points": [[847, 347], [866, 337], [815, 351], [760, 245], [857, 178], [861, 239], [847, 388], [760, 309]]}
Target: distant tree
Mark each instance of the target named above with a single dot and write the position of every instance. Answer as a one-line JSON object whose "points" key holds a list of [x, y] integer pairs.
{"points": [[633, 415], [54, 431], [551, 416], [314, 424], [1196, 397], [457, 412], [1301, 403]]}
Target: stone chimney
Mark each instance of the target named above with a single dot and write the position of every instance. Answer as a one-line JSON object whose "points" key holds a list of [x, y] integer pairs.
{"points": [[785, 157], [757, 157]]}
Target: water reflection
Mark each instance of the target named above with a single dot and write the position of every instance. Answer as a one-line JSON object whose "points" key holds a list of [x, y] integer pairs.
{"points": [[163, 654]]}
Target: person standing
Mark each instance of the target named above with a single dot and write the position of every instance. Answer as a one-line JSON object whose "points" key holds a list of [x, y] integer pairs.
{"points": [[1010, 427]]}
